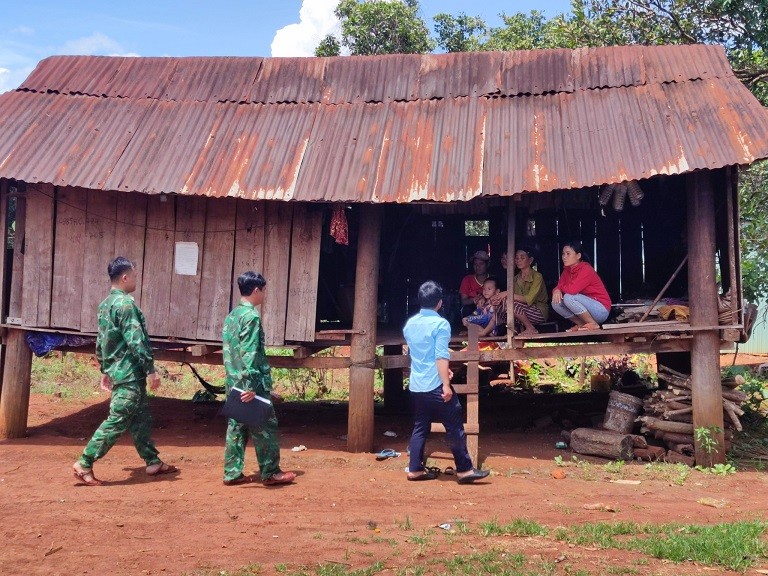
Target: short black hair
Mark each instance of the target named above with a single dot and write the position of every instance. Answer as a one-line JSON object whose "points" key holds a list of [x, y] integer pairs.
{"points": [[430, 294], [118, 267], [528, 250], [492, 279], [247, 282]]}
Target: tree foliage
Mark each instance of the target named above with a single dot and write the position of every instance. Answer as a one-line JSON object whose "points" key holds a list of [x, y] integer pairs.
{"points": [[371, 27]]}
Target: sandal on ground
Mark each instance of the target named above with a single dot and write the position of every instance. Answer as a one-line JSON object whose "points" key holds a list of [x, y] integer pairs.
{"points": [[426, 475], [386, 454], [449, 471], [474, 475], [162, 469], [85, 476], [280, 478], [242, 479]]}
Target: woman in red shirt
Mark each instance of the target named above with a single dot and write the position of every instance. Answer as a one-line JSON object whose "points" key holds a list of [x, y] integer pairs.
{"points": [[580, 295]]}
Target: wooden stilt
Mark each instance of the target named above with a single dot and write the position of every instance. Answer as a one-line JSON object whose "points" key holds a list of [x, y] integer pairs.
{"points": [[394, 394], [702, 290], [14, 401], [363, 344]]}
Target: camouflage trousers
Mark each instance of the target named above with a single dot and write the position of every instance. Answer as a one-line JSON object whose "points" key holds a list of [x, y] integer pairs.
{"points": [[265, 441], [128, 412]]}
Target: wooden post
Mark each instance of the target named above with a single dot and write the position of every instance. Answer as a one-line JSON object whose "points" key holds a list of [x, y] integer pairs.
{"points": [[394, 393], [14, 401], [363, 345], [511, 231], [702, 291]]}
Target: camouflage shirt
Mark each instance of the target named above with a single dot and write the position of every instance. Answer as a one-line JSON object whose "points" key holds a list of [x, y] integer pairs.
{"points": [[122, 346], [245, 359]]}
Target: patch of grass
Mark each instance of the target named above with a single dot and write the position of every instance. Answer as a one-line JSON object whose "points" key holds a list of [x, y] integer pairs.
{"points": [[614, 467], [734, 545], [404, 525], [518, 527], [490, 562], [65, 375], [674, 473]]}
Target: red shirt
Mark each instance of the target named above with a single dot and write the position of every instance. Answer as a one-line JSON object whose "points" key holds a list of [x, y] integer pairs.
{"points": [[581, 278], [469, 286]]}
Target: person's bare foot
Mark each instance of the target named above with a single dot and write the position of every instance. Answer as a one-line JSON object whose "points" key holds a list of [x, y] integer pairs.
{"points": [[529, 332]]}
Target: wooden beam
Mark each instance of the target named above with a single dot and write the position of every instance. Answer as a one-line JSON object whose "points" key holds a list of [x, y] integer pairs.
{"points": [[702, 287], [17, 265], [395, 397], [14, 401], [511, 231], [363, 345]]}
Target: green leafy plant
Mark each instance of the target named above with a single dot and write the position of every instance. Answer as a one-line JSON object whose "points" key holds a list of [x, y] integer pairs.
{"points": [[705, 436]]}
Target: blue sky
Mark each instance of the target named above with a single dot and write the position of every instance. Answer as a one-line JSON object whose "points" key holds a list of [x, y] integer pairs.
{"points": [[36, 29]]}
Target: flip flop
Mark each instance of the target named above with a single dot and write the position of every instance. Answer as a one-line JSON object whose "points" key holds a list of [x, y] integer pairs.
{"points": [[242, 479], [449, 471], [164, 469], [476, 475], [433, 469], [387, 453], [83, 477], [426, 476]]}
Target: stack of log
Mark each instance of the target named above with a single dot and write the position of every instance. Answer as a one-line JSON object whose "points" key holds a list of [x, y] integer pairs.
{"points": [[669, 414]]}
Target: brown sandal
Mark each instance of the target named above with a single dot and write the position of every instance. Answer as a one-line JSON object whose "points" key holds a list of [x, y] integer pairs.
{"points": [[164, 469], [86, 477]]}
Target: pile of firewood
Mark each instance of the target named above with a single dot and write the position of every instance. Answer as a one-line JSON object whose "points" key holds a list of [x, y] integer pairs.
{"points": [[669, 414]]}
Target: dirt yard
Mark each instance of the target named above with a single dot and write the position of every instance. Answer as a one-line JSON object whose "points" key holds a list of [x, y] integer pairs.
{"points": [[346, 510]]}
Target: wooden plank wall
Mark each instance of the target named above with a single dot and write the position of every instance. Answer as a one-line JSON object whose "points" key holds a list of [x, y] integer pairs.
{"points": [[63, 267], [185, 290], [216, 281], [99, 247], [277, 254], [67, 301], [305, 267], [249, 242], [38, 256], [17, 265], [158, 264], [130, 228]]}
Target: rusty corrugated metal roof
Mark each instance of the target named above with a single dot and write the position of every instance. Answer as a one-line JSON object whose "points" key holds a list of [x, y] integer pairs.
{"points": [[397, 128]]}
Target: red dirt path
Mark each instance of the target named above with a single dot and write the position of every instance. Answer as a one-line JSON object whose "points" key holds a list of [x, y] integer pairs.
{"points": [[191, 522]]}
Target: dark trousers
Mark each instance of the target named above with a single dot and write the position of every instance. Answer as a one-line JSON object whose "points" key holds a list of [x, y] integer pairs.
{"points": [[429, 407]]}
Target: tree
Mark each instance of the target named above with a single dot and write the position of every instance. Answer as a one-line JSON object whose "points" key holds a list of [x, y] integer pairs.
{"points": [[460, 33], [371, 27]]}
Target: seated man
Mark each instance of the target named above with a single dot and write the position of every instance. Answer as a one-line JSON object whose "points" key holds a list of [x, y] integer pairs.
{"points": [[486, 315]]}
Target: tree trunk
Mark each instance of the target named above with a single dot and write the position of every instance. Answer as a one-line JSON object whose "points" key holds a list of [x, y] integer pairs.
{"points": [[602, 443]]}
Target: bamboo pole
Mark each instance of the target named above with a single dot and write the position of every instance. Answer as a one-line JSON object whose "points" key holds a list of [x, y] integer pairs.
{"points": [[363, 344]]}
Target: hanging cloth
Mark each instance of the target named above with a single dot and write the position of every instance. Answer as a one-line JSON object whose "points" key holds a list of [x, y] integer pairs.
{"points": [[339, 228]]}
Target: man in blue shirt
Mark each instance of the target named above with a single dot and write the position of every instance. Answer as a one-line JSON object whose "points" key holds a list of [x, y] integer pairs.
{"points": [[427, 335]]}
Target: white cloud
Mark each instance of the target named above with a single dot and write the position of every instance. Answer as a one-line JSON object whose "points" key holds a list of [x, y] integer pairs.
{"points": [[316, 20], [95, 44], [10, 79]]}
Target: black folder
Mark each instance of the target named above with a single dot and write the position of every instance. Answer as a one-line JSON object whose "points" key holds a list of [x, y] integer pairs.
{"points": [[253, 413]]}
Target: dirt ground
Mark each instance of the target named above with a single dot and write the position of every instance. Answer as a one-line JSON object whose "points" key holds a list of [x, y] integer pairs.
{"points": [[344, 508]]}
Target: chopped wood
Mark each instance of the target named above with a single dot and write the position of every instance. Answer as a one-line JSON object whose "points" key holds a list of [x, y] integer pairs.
{"points": [[735, 396], [604, 443], [675, 414], [639, 441], [733, 417], [676, 438], [734, 381], [686, 449], [651, 453], [665, 425], [677, 458]]}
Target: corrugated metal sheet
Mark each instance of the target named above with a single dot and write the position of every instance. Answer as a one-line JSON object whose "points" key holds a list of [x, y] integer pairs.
{"points": [[397, 128]]}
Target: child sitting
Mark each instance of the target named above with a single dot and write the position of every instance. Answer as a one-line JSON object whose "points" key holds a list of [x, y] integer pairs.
{"points": [[486, 313]]}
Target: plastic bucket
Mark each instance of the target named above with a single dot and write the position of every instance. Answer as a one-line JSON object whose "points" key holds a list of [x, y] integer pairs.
{"points": [[622, 411]]}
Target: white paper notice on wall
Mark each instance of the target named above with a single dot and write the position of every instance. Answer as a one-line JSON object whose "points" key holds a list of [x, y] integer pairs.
{"points": [[185, 261]]}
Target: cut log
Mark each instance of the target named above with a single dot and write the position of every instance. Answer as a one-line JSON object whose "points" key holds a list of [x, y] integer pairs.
{"points": [[639, 441], [685, 449], [733, 418], [675, 414], [666, 425], [673, 438], [735, 396], [734, 381], [604, 443], [677, 458], [651, 454]]}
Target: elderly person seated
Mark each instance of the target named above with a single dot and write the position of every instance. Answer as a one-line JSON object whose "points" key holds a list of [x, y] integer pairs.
{"points": [[580, 295], [471, 287], [529, 294]]}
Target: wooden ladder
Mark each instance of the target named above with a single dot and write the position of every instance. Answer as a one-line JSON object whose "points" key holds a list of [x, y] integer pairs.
{"points": [[472, 387]]}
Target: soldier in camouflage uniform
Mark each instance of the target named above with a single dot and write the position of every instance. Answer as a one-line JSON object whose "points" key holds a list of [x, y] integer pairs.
{"points": [[126, 361], [245, 361]]}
